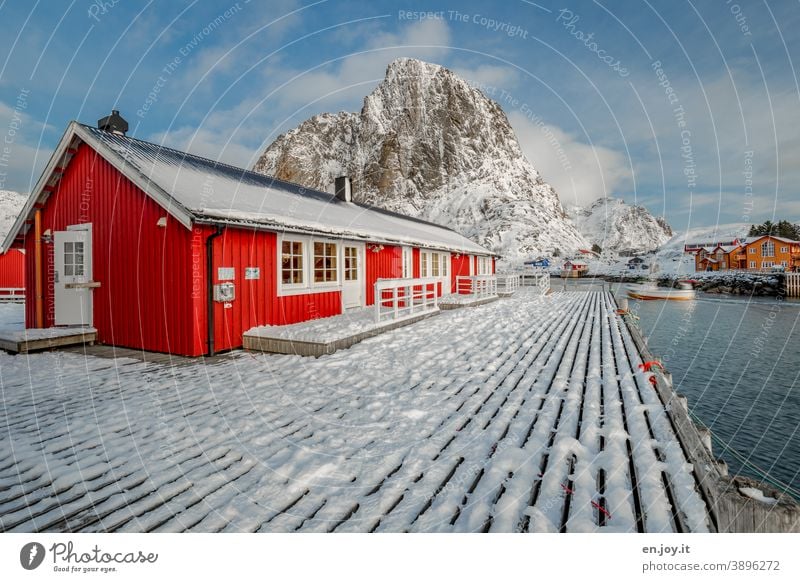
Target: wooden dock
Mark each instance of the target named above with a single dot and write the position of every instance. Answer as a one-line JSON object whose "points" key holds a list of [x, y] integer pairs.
{"points": [[729, 509], [449, 302], [313, 339], [551, 427], [23, 341]]}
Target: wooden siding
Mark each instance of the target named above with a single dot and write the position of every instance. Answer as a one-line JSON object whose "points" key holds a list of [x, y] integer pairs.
{"points": [[384, 264], [257, 302], [12, 269], [144, 300]]}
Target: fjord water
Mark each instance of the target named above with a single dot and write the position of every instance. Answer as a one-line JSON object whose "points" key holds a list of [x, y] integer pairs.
{"points": [[738, 362]]}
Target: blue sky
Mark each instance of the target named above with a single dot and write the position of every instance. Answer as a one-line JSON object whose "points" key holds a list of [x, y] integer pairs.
{"points": [[690, 108]]}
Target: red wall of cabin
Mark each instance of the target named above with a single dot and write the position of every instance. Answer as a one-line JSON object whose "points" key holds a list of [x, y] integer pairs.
{"points": [[153, 292], [459, 267], [384, 264], [256, 302], [144, 270], [12, 269]]}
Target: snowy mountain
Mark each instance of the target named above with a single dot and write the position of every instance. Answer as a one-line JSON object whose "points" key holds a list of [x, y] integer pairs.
{"points": [[11, 204], [619, 227], [427, 144]]}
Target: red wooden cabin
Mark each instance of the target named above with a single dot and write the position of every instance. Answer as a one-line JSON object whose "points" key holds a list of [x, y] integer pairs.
{"points": [[12, 274], [164, 251]]}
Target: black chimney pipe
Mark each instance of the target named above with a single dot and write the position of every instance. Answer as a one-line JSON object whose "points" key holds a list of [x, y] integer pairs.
{"points": [[113, 123]]}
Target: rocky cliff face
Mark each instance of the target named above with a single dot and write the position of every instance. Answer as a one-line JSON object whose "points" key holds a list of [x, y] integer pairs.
{"points": [[11, 204], [619, 227], [427, 144]]}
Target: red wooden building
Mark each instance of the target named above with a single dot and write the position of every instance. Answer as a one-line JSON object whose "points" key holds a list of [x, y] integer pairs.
{"points": [[164, 251], [12, 274]]}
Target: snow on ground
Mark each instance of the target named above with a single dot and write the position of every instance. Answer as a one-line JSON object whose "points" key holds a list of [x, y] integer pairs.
{"points": [[12, 315], [331, 329], [758, 495], [503, 417]]}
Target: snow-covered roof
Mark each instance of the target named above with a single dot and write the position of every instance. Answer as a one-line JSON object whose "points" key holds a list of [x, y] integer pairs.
{"points": [[779, 238], [726, 248], [195, 189]]}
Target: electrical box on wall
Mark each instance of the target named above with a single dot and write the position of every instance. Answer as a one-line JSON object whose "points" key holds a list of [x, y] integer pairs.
{"points": [[224, 292]]}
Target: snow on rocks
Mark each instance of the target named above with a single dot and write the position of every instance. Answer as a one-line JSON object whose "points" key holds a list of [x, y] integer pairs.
{"points": [[526, 414]]}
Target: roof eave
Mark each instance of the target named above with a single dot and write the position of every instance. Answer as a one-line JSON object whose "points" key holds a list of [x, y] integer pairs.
{"points": [[36, 193], [158, 194], [74, 129], [364, 238]]}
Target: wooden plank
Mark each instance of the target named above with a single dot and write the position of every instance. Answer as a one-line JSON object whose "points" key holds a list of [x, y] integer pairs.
{"points": [[458, 305], [280, 345]]}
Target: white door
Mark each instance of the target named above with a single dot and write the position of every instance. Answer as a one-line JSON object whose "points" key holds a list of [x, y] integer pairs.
{"points": [[73, 277], [353, 279]]}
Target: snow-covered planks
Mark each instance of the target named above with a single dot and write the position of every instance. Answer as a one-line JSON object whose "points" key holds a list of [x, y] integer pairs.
{"points": [[528, 414]]}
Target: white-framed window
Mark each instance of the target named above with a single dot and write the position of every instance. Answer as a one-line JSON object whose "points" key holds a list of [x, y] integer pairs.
{"points": [[784, 249], [766, 264], [350, 263], [752, 264], [752, 250], [785, 263], [768, 249], [433, 264], [292, 264], [326, 269], [484, 265], [436, 265], [308, 264], [408, 263]]}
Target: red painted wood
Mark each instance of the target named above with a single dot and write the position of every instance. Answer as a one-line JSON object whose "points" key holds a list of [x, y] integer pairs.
{"points": [[384, 264], [459, 267], [144, 300], [153, 293], [12, 269], [257, 302]]}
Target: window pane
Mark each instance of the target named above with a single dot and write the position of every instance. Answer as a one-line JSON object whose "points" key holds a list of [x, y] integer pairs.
{"points": [[67, 247], [292, 262], [79, 270], [78, 247], [68, 271]]}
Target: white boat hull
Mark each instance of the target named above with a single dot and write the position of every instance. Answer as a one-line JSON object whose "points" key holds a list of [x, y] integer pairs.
{"points": [[663, 293]]}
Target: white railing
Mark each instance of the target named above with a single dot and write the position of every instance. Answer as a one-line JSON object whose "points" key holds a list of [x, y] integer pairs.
{"points": [[398, 298], [540, 280], [12, 293], [793, 284], [477, 285], [508, 283]]}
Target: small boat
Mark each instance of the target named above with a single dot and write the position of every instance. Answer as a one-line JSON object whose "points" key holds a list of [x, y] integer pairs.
{"points": [[684, 292]]}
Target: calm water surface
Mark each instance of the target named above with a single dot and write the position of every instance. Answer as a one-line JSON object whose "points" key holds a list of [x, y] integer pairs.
{"points": [[738, 362]]}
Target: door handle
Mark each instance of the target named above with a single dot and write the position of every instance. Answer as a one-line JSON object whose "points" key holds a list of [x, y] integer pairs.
{"points": [[55, 276]]}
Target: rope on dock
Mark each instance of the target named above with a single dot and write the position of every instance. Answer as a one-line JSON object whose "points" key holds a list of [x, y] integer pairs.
{"points": [[762, 473]]}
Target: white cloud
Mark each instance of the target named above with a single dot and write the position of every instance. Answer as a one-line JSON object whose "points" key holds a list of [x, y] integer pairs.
{"points": [[24, 159], [579, 172], [343, 81]]}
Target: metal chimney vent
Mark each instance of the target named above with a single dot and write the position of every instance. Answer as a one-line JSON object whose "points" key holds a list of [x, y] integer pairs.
{"points": [[113, 123], [342, 189]]}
